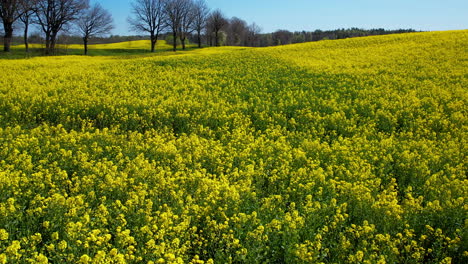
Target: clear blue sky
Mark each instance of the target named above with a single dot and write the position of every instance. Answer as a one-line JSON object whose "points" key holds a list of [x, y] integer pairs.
{"points": [[310, 15]]}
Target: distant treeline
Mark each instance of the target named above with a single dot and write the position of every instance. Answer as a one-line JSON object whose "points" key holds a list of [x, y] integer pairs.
{"points": [[284, 37], [233, 36], [279, 37]]}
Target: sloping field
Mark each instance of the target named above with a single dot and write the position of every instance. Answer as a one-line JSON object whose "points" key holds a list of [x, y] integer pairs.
{"points": [[349, 151]]}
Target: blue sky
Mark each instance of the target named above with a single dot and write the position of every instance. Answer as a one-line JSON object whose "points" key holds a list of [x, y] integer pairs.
{"points": [[310, 15]]}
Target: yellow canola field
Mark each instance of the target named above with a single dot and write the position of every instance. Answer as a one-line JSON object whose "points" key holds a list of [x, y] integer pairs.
{"points": [[128, 45], [348, 151]]}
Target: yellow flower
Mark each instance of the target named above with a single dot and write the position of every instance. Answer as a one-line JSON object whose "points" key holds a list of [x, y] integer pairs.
{"points": [[359, 255], [62, 245], [46, 224], [447, 260], [3, 234], [41, 259], [3, 258], [13, 248], [84, 259]]}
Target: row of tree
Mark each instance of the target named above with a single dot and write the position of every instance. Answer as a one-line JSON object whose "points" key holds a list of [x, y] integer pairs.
{"points": [[186, 19], [182, 19], [52, 16]]}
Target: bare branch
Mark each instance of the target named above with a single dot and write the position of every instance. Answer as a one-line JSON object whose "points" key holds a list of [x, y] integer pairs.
{"points": [[94, 22], [201, 12], [177, 17], [216, 22], [148, 16], [53, 15]]}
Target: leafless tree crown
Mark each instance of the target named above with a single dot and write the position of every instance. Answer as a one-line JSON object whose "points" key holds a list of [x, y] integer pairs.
{"points": [[95, 21], [53, 15], [147, 16], [216, 22], [201, 12]]}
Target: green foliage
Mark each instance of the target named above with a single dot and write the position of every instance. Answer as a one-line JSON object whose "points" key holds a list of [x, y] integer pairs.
{"points": [[170, 40]]}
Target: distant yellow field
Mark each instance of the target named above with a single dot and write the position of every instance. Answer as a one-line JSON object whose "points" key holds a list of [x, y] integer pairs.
{"points": [[348, 151], [137, 44], [130, 45]]}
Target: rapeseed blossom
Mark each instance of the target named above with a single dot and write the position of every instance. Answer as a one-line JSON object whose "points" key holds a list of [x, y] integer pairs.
{"points": [[348, 151]]}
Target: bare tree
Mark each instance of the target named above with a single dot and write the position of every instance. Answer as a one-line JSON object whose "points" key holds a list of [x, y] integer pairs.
{"points": [[216, 22], [96, 21], [28, 8], [237, 32], [253, 36], [10, 11], [187, 21], [53, 15], [174, 11], [201, 12], [148, 16]]}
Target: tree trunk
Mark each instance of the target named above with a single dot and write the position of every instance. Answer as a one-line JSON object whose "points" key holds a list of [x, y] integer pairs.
{"points": [[199, 39], [85, 40], [26, 43], [53, 41], [8, 36], [153, 45], [156, 36], [47, 43], [216, 39], [174, 34], [182, 40], [153, 42]]}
